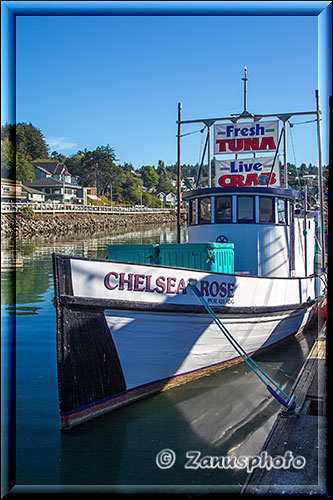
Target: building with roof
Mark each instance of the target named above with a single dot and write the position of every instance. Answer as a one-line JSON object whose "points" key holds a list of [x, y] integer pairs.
{"points": [[33, 195], [11, 190], [56, 190], [55, 170]]}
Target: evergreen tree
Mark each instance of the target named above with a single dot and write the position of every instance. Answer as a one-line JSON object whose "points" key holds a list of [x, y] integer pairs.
{"points": [[27, 139]]}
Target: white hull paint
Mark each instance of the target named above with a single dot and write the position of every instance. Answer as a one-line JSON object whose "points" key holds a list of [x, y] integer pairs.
{"points": [[162, 346]]}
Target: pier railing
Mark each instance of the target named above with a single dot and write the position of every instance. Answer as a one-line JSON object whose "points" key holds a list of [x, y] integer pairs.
{"points": [[55, 208]]}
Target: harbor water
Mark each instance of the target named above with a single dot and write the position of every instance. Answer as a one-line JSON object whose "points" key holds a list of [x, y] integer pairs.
{"points": [[166, 442]]}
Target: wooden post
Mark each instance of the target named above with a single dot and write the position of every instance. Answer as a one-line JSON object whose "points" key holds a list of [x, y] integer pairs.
{"points": [[178, 174]]}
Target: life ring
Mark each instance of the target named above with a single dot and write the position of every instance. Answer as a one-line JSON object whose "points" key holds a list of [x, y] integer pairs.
{"points": [[221, 239]]}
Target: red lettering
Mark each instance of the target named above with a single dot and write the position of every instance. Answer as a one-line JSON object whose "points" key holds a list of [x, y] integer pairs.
{"points": [[204, 287], [236, 144], [222, 144], [214, 289], [231, 289], [273, 179], [139, 279], [233, 180], [223, 290], [122, 281], [107, 280], [148, 283], [182, 287], [267, 143], [222, 180], [170, 283], [251, 179], [160, 284], [251, 144]]}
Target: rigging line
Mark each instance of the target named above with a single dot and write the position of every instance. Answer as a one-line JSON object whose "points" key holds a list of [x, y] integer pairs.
{"points": [[301, 123], [203, 156], [275, 156], [195, 132], [242, 352], [293, 148]]}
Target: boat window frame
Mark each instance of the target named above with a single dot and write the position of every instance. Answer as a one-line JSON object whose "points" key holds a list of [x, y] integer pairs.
{"points": [[199, 210], [192, 204], [285, 222], [272, 199], [246, 221], [219, 220]]}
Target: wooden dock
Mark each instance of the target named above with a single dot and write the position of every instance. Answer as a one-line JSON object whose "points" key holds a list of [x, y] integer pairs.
{"points": [[303, 434]]}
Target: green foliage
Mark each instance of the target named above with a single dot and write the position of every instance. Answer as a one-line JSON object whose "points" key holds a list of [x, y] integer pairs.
{"points": [[149, 176], [164, 184], [27, 213], [28, 140], [7, 159], [24, 168]]}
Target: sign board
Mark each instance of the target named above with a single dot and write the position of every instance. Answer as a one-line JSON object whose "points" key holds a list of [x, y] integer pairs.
{"points": [[247, 172], [246, 137]]}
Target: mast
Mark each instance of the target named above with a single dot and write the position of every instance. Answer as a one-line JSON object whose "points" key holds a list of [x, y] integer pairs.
{"points": [[178, 174], [321, 186], [245, 79]]}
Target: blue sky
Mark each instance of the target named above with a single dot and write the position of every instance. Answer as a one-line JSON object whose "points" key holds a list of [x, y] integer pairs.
{"points": [[86, 81]]}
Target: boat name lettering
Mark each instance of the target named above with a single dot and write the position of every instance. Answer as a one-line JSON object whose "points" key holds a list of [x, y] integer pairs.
{"points": [[164, 284], [144, 283], [215, 288]]}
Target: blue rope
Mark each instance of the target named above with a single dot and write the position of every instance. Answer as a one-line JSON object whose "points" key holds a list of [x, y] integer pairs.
{"points": [[241, 351]]}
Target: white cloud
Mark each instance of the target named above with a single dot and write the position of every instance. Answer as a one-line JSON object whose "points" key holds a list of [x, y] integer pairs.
{"points": [[56, 143]]}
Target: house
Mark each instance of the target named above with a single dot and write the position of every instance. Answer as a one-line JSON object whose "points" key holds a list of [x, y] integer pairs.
{"points": [[56, 190], [167, 199], [55, 170], [11, 190], [33, 195]]}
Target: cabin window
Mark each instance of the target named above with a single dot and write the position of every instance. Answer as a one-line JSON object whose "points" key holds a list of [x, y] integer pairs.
{"points": [[245, 209], [223, 209], [282, 212], [192, 216], [266, 209], [204, 210]]}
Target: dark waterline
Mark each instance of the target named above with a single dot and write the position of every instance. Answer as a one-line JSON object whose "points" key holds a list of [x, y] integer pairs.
{"points": [[228, 414]]}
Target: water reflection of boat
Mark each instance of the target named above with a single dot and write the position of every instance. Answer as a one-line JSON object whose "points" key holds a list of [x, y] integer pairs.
{"points": [[130, 326]]}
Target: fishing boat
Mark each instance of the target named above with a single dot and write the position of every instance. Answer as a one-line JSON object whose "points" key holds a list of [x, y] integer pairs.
{"points": [[131, 325]]}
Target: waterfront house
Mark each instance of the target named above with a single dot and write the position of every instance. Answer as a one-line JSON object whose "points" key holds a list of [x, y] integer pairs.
{"points": [[55, 170], [56, 190], [33, 195], [167, 199]]}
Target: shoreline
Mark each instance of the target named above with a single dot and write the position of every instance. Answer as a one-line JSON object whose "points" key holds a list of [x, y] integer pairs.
{"points": [[61, 224]]}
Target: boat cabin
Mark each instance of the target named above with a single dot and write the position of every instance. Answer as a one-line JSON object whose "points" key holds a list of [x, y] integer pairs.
{"points": [[269, 238]]}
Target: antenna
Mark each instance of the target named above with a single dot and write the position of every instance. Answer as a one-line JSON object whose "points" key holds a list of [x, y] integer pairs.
{"points": [[245, 79]]}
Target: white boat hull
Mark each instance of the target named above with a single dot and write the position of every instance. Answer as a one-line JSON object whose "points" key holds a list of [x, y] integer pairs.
{"points": [[123, 332]]}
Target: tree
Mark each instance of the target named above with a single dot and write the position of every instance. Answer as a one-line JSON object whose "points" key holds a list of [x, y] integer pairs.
{"points": [[149, 177], [163, 183], [24, 168], [7, 159], [27, 139], [96, 168], [58, 157]]}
